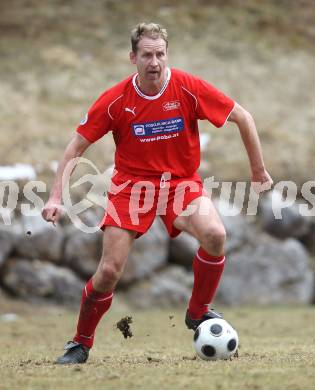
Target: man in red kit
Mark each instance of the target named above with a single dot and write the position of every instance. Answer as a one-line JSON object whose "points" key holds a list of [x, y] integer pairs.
{"points": [[153, 116]]}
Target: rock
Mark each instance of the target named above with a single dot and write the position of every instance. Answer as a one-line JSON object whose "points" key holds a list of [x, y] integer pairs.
{"points": [[35, 224], [46, 244], [183, 249], [281, 221], [83, 251], [87, 221], [38, 280], [15, 228], [7, 242], [267, 271], [239, 231], [149, 253], [309, 239], [168, 288]]}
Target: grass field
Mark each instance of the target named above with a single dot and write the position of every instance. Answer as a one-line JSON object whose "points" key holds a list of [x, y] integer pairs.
{"points": [[276, 351]]}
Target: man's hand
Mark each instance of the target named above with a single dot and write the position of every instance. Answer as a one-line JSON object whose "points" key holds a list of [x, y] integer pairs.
{"points": [[261, 181], [52, 211]]}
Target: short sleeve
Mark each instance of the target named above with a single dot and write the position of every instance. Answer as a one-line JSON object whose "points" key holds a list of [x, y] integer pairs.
{"points": [[212, 104], [97, 122]]}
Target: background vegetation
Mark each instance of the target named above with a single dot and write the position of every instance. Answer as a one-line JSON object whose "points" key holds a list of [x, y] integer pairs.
{"points": [[58, 56]]}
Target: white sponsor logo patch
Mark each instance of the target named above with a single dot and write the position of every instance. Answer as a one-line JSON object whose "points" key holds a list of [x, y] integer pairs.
{"points": [[167, 106], [84, 120], [139, 130]]}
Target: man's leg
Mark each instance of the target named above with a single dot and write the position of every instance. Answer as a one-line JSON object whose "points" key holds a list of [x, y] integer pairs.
{"points": [[98, 292], [208, 263]]}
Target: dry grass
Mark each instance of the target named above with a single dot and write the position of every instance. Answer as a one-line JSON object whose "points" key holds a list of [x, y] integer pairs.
{"points": [[276, 351], [57, 57]]}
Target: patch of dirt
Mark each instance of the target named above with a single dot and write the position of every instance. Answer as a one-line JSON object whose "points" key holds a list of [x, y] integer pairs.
{"points": [[124, 326]]}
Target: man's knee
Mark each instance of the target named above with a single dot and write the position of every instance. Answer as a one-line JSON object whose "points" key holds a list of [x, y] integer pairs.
{"points": [[109, 273], [213, 239], [116, 246]]}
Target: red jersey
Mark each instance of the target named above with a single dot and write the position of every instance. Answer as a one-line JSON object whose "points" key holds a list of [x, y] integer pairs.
{"points": [[157, 134]]}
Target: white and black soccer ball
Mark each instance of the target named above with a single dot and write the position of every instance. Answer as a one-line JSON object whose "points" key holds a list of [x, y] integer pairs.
{"points": [[215, 339]]}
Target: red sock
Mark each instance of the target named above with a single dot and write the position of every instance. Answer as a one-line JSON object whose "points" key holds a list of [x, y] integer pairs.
{"points": [[207, 273], [93, 305]]}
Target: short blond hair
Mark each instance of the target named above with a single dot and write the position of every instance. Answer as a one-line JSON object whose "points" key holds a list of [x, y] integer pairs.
{"points": [[151, 30]]}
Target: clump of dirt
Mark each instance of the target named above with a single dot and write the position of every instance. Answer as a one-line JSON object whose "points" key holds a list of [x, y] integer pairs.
{"points": [[189, 357], [124, 326], [153, 359]]}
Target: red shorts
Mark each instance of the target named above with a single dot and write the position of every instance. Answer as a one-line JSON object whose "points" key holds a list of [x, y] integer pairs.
{"points": [[134, 202]]}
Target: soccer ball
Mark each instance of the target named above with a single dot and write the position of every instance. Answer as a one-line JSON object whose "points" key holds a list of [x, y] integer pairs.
{"points": [[215, 339]]}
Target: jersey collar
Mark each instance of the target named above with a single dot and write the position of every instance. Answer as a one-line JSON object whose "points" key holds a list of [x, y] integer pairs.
{"points": [[152, 97]]}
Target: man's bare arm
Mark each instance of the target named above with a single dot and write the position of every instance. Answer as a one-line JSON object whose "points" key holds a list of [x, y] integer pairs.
{"points": [[76, 147], [248, 131]]}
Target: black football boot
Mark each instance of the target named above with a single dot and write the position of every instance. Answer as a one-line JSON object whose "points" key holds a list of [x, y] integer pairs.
{"points": [[75, 353], [193, 324]]}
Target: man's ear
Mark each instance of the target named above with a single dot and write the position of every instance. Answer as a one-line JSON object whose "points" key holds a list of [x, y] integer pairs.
{"points": [[132, 57]]}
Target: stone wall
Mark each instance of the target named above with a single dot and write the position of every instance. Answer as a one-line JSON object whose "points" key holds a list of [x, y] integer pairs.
{"points": [[267, 261]]}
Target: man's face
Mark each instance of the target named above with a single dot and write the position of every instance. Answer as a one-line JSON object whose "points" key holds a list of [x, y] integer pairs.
{"points": [[150, 59]]}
